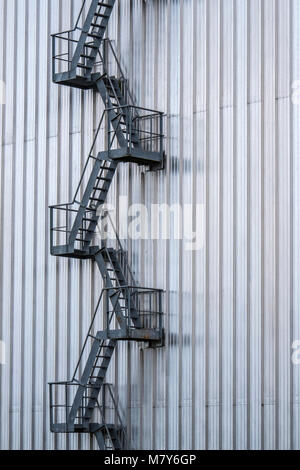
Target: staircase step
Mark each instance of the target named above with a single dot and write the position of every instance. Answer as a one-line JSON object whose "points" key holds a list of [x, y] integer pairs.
{"points": [[95, 25], [95, 387], [91, 46], [95, 199], [91, 35], [82, 66], [106, 168], [101, 178], [103, 4], [85, 230]]}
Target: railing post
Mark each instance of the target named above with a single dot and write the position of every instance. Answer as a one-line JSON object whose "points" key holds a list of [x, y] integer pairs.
{"points": [[51, 228], [161, 134], [105, 54], [104, 404], [67, 225], [106, 304], [130, 128], [129, 309], [66, 398], [160, 313], [51, 406], [69, 51], [127, 130], [108, 132], [53, 58]]}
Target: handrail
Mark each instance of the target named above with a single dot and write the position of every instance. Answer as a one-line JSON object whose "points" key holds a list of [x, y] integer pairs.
{"points": [[121, 248], [62, 383], [139, 289], [80, 13], [88, 335], [56, 35], [90, 156], [122, 75], [76, 25], [102, 413], [116, 408], [107, 110], [84, 169]]}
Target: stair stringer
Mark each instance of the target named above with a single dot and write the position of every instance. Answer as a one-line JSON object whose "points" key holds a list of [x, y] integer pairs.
{"points": [[112, 116], [111, 292], [102, 157], [101, 337], [96, 387], [85, 32], [122, 279], [84, 381]]}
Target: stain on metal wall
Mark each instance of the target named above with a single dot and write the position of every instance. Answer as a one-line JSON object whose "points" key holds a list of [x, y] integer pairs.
{"points": [[223, 71]]}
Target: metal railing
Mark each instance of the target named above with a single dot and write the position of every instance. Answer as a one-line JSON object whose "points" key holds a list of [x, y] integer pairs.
{"points": [[141, 127], [62, 216], [64, 45], [144, 303], [111, 413], [107, 411], [112, 67], [144, 131], [138, 303], [63, 48], [109, 238]]}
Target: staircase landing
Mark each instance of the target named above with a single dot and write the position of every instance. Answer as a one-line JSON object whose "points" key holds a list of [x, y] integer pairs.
{"points": [[89, 428], [65, 251], [73, 80]]}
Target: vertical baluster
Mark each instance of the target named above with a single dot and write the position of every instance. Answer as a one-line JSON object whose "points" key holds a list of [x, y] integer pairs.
{"points": [[69, 51], [66, 402], [51, 404], [66, 209], [160, 312], [161, 134], [103, 406], [53, 58]]}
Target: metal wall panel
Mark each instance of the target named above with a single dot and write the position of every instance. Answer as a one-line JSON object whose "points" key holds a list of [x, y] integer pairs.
{"points": [[222, 71]]}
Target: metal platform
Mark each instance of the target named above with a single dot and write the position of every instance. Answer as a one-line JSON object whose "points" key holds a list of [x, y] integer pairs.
{"points": [[83, 59]]}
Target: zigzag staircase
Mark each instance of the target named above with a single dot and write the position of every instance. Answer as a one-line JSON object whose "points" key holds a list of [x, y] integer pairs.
{"points": [[125, 311]]}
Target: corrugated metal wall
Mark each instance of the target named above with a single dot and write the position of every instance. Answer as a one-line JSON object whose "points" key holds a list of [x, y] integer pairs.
{"points": [[223, 71]]}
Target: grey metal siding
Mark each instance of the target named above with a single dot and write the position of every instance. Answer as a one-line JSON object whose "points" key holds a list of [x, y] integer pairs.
{"points": [[222, 70]]}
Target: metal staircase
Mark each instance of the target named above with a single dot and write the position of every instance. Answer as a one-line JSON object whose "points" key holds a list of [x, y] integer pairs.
{"points": [[75, 51], [82, 58]]}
